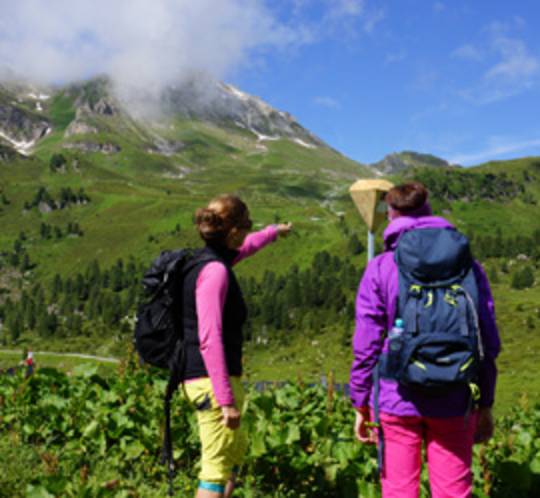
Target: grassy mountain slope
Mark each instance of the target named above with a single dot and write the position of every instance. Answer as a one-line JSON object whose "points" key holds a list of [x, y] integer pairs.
{"points": [[140, 193], [144, 180]]}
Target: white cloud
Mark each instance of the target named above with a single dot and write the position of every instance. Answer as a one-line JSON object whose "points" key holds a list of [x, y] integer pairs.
{"points": [[468, 52], [372, 19], [426, 79], [394, 57], [137, 41], [327, 102], [345, 8], [509, 66], [350, 16], [516, 63], [496, 148], [439, 7]]}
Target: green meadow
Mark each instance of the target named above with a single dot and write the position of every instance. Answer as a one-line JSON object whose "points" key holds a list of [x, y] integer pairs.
{"points": [[142, 201]]}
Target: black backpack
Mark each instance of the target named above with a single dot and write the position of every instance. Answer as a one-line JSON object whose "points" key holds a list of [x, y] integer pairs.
{"points": [[159, 333]]}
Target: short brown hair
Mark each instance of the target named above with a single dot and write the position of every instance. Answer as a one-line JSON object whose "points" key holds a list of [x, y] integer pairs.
{"points": [[407, 197], [222, 214]]}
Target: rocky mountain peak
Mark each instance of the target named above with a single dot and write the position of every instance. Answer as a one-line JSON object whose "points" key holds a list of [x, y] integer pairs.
{"points": [[24, 111], [400, 161]]}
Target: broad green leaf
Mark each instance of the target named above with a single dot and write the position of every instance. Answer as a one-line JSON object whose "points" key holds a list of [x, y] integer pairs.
{"points": [[134, 450], [37, 492], [258, 446], [293, 434], [85, 370], [90, 429]]}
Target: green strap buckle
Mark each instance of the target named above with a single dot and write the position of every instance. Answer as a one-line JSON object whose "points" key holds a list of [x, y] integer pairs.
{"points": [[475, 391], [450, 299], [415, 289]]}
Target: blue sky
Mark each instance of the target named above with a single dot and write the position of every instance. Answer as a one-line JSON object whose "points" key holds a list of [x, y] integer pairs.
{"points": [[458, 79]]}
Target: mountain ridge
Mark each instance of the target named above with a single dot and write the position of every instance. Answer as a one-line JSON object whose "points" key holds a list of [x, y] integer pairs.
{"points": [[399, 162], [25, 117]]}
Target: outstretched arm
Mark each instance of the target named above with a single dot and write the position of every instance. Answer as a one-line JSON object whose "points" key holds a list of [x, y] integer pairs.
{"points": [[257, 240]]}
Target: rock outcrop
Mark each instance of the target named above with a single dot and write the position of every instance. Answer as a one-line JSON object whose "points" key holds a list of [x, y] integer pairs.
{"points": [[19, 127], [104, 148]]}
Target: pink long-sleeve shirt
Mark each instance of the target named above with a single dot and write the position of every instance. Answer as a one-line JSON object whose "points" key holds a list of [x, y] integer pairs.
{"points": [[210, 294]]}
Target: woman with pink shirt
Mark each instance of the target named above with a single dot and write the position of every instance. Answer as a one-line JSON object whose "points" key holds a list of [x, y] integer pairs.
{"points": [[214, 312]]}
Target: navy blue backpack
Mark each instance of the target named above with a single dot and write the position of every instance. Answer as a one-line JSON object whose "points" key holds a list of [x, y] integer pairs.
{"points": [[440, 347]]}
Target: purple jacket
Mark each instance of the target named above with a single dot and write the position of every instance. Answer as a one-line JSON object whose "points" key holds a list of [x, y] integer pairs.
{"points": [[376, 305]]}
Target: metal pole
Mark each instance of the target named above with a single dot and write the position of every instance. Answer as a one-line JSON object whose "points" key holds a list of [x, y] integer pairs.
{"points": [[370, 245]]}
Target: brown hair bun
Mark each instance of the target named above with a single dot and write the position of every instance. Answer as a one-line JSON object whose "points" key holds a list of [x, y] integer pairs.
{"points": [[222, 214]]}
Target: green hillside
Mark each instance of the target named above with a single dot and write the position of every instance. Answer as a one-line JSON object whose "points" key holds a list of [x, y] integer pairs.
{"points": [[100, 186]]}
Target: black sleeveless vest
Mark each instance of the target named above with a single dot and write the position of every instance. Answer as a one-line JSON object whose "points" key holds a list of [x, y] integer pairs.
{"points": [[234, 316]]}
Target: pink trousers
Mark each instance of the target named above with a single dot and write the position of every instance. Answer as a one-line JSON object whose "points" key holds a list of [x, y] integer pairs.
{"points": [[448, 443]]}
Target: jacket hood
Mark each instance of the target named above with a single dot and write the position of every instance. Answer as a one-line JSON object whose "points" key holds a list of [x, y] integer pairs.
{"points": [[403, 224]]}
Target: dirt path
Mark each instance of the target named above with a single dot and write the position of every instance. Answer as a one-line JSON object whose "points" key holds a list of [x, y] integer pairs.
{"points": [[65, 355]]}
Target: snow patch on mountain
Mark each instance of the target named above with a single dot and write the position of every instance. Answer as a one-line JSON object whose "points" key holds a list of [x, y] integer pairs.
{"points": [[39, 96], [304, 144], [23, 147]]}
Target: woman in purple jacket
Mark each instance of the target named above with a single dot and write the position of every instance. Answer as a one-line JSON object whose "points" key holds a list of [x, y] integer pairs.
{"points": [[408, 418]]}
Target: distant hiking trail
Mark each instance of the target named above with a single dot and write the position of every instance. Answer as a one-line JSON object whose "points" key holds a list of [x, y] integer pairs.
{"points": [[68, 355]]}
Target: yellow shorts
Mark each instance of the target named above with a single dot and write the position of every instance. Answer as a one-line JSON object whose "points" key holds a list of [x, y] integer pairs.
{"points": [[222, 449]]}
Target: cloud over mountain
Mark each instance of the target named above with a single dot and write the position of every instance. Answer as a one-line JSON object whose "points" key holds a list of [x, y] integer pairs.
{"points": [[137, 42]]}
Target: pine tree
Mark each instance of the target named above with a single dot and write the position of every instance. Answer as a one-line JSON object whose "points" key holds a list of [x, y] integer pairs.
{"points": [[105, 279], [56, 287], [527, 277], [118, 276], [522, 279], [81, 289], [292, 291], [51, 321], [14, 259], [354, 246], [493, 275], [93, 274], [15, 325], [76, 325], [25, 263], [517, 280], [30, 314], [56, 162]]}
